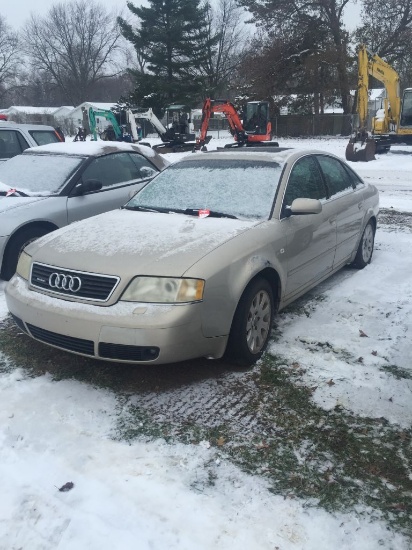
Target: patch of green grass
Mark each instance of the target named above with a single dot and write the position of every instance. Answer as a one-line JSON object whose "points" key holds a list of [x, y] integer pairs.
{"points": [[398, 372], [332, 459]]}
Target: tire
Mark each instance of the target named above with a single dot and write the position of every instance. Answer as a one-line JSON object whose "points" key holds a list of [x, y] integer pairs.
{"points": [[15, 246], [365, 249], [252, 324]]}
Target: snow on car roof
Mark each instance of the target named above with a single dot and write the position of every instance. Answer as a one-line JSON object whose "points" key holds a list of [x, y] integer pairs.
{"points": [[269, 154], [91, 148], [279, 155]]}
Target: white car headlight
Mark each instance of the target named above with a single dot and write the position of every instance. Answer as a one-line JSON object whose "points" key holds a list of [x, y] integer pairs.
{"points": [[23, 266], [164, 290]]}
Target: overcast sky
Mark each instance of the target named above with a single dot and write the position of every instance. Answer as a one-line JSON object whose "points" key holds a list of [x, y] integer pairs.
{"points": [[16, 12]]}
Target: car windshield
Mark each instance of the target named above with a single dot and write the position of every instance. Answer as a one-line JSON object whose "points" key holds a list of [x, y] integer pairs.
{"points": [[235, 188], [36, 174]]}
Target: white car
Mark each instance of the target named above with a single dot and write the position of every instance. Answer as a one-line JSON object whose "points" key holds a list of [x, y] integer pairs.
{"points": [[48, 187], [16, 138]]}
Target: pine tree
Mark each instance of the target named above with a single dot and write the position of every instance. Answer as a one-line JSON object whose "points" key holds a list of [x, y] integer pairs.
{"points": [[173, 42]]}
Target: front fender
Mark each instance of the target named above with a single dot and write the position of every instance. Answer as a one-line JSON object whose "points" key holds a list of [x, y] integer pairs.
{"points": [[229, 269]]}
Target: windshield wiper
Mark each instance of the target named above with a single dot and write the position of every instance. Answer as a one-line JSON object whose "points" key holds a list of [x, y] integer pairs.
{"points": [[210, 214], [12, 192], [187, 211], [145, 208]]}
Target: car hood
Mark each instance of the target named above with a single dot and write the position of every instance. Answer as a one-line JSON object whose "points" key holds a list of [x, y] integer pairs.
{"points": [[128, 243], [10, 203]]}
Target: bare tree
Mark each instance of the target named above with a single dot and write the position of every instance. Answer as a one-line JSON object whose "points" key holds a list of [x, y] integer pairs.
{"points": [[387, 30], [75, 44], [226, 26], [9, 55]]}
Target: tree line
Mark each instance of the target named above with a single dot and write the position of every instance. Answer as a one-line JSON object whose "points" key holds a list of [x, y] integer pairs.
{"points": [[181, 51]]}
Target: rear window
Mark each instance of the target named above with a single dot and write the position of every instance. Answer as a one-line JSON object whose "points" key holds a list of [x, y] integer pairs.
{"points": [[44, 137]]}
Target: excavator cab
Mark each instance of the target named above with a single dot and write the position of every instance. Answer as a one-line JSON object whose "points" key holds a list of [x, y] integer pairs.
{"points": [[178, 118], [406, 110], [256, 118]]}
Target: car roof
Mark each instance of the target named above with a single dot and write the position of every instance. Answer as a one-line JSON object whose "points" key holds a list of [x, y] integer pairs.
{"points": [[91, 148], [9, 124], [279, 155]]}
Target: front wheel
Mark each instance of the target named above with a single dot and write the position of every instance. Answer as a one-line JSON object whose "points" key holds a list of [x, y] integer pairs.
{"points": [[252, 324], [365, 249]]}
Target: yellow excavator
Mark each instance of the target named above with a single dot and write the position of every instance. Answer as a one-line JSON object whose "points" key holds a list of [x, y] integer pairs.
{"points": [[392, 124]]}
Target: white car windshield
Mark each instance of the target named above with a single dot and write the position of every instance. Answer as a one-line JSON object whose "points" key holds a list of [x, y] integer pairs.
{"points": [[35, 174], [235, 188]]}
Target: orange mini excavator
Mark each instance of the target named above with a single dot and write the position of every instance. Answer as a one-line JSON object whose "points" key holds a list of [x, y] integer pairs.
{"points": [[254, 130]]}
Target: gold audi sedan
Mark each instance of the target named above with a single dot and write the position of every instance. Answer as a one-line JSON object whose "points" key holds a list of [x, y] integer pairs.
{"points": [[198, 262]]}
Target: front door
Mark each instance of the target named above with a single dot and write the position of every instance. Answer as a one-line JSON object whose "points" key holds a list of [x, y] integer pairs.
{"points": [[310, 239], [121, 175]]}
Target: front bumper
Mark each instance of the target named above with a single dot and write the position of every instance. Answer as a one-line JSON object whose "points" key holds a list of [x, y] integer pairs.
{"points": [[126, 332]]}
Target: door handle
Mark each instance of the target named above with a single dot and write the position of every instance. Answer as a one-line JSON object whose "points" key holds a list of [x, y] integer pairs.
{"points": [[332, 220], [360, 205]]}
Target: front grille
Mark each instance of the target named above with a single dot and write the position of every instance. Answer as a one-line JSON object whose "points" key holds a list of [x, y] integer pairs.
{"points": [[61, 341], [94, 287], [128, 353]]}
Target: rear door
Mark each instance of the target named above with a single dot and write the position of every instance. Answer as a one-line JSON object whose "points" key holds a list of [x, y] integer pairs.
{"points": [[121, 175], [347, 198], [310, 239]]}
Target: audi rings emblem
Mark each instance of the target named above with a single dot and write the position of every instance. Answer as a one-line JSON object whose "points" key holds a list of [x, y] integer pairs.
{"points": [[65, 282]]}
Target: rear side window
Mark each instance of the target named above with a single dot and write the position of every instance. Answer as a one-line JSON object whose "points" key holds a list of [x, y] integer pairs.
{"points": [[115, 169], [44, 137], [336, 177], [12, 143], [354, 177]]}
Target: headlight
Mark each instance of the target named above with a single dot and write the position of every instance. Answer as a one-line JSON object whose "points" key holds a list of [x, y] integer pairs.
{"points": [[23, 266], [164, 290]]}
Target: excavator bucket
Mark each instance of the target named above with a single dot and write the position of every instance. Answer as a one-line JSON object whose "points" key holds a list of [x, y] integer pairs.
{"points": [[361, 151]]}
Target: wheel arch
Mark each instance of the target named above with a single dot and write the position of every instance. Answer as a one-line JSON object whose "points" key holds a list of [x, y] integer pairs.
{"points": [[45, 225], [244, 333], [272, 277], [371, 218], [40, 224]]}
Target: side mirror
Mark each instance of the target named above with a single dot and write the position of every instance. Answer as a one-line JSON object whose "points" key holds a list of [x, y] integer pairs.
{"points": [[303, 207], [147, 172], [87, 186]]}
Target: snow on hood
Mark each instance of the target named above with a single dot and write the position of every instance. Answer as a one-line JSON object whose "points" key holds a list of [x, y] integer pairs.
{"points": [[139, 242]]}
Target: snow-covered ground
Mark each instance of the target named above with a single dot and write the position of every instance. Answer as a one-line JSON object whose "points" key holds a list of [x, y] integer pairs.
{"points": [[142, 494]]}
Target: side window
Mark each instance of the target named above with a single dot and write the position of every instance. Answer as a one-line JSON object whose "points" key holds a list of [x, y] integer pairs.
{"points": [[144, 168], [337, 178], [44, 137], [305, 182], [112, 170], [356, 181], [10, 144]]}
